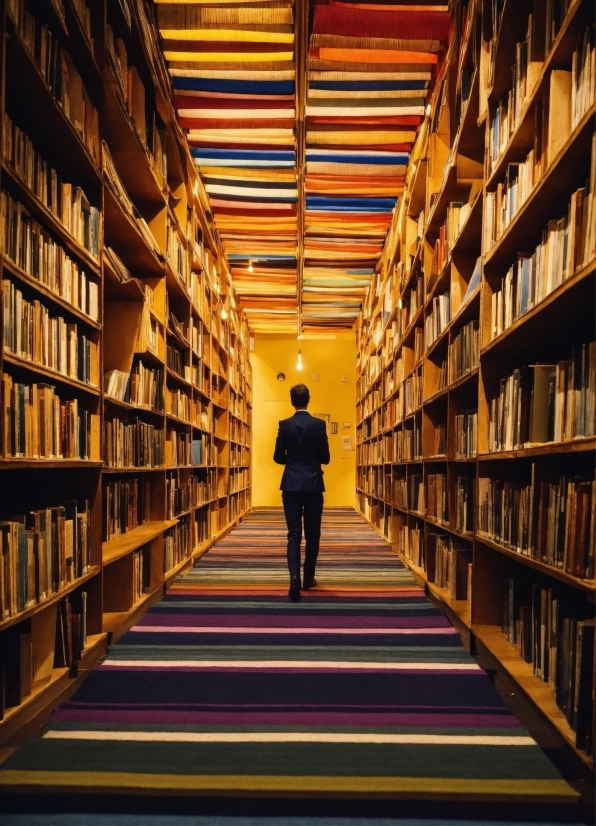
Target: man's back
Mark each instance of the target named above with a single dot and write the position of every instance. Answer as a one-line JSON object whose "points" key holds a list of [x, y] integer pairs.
{"points": [[302, 447]]}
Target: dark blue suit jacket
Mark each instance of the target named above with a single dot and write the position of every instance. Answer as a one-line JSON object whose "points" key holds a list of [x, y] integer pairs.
{"points": [[302, 446]]}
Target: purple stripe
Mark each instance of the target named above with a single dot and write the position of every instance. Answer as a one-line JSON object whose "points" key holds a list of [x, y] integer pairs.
{"points": [[266, 620], [301, 718]]}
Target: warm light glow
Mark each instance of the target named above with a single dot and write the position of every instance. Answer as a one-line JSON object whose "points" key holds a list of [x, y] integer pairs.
{"points": [[299, 365], [250, 267], [224, 314]]}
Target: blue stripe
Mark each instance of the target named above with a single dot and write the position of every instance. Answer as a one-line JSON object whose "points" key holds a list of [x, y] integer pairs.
{"points": [[241, 87], [368, 85], [318, 202], [243, 154], [380, 160]]}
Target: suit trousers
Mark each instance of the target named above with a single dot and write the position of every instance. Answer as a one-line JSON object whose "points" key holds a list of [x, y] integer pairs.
{"points": [[298, 503]]}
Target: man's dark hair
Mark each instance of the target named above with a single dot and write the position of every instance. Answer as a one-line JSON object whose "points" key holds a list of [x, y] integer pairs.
{"points": [[299, 394]]}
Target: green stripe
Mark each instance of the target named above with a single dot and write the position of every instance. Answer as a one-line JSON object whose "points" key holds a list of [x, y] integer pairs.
{"points": [[320, 654], [366, 760], [472, 732]]}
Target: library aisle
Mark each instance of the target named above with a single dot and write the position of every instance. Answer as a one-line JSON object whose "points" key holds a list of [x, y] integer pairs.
{"points": [[227, 698]]}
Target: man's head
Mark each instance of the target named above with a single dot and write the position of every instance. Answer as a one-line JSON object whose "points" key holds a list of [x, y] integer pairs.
{"points": [[299, 396]]}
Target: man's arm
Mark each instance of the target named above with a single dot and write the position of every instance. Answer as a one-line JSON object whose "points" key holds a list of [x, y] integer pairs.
{"points": [[325, 456], [279, 455]]}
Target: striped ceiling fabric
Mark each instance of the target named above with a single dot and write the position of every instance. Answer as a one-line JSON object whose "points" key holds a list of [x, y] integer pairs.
{"points": [[302, 187]]}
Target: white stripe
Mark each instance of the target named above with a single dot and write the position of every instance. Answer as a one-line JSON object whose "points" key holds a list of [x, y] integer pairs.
{"points": [[241, 163], [274, 192], [223, 629], [294, 737], [239, 114], [294, 664], [363, 111]]}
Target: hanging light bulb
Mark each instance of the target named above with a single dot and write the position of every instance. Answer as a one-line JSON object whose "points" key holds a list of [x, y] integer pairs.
{"points": [[224, 314], [299, 365], [250, 267]]}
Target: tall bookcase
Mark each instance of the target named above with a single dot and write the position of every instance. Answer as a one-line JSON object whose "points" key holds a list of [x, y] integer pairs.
{"points": [[126, 385], [477, 356]]}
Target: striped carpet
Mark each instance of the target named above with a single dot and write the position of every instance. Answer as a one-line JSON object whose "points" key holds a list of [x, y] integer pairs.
{"points": [[363, 691]]}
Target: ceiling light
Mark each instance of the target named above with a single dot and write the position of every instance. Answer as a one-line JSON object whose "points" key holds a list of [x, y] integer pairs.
{"points": [[250, 267], [299, 365]]}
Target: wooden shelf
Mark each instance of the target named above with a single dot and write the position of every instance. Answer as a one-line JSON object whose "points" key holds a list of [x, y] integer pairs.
{"points": [[533, 687], [122, 233], [452, 166], [59, 378], [48, 295], [564, 302], [122, 545], [47, 218], [67, 147], [561, 178], [580, 445], [50, 600], [587, 585]]}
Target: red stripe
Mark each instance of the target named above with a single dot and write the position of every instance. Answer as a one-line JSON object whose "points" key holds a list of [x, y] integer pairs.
{"points": [[192, 102]]}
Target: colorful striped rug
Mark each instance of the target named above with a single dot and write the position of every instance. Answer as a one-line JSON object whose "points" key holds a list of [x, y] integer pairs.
{"points": [[225, 689]]}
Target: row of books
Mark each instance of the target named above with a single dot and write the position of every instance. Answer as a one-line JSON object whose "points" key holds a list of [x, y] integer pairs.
{"points": [[466, 434], [464, 351], [31, 333], [545, 403], [201, 527], [126, 504], [502, 205], [40, 424], [530, 279], [181, 495], [179, 448], [179, 404], [67, 202], [141, 572], [177, 543], [60, 74], [121, 195], [42, 551], [437, 497], [133, 443], [239, 456], [543, 624], [448, 563], [440, 439], [142, 388], [177, 254], [464, 504], [437, 319], [238, 480], [550, 520], [32, 249], [416, 492], [176, 361], [71, 630], [457, 214], [409, 542], [583, 75], [525, 72], [131, 93]]}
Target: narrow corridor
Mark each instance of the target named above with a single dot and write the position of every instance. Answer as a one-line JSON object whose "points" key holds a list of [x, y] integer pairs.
{"points": [[362, 692]]}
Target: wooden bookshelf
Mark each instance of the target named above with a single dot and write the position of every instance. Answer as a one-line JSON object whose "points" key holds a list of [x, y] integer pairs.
{"points": [[147, 260], [434, 365]]}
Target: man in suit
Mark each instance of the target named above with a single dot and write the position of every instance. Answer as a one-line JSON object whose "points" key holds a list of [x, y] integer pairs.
{"points": [[302, 446]]}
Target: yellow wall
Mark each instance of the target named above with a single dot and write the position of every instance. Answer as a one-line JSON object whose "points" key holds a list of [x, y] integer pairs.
{"points": [[331, 359]]}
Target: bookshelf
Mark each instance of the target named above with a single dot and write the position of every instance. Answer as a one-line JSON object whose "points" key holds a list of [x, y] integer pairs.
{"points": [[126, 383], [476, 363]]}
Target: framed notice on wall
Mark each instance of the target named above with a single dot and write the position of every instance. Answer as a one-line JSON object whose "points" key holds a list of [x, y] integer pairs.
{"points": [[325, 416]]}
